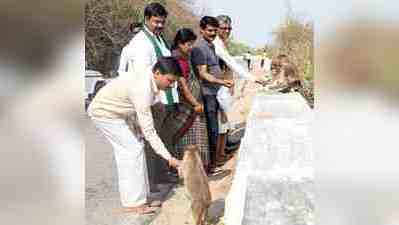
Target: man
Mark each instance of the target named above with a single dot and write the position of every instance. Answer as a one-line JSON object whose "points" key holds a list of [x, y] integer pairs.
{"points": [[206, 67], [221, 43], [148, 45], [110, 110], [247, 57], [264, 57], [143, 51]]}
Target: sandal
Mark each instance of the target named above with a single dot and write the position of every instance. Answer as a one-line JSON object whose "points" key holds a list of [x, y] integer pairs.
{"points": [[141, 210], [220, 163], [223, 160]]}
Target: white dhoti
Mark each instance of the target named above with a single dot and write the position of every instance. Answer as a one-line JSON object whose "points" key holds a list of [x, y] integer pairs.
{"points": [[130, 161]]}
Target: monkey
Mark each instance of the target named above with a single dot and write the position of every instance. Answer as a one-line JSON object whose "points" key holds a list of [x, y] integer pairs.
{"points": [[196, 183]]}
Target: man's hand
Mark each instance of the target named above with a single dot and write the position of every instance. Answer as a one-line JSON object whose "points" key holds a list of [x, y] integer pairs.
{"points": [[261, 82], [199, 108], [173, 162], [228, 83]]}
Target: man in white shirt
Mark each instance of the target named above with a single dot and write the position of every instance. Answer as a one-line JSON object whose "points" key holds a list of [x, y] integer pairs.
{"points": [[220, 44], [141, 52], [114, 104]]}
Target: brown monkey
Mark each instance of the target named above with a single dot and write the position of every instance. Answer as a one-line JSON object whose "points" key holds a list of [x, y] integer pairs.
{"points": [[196, 183]]}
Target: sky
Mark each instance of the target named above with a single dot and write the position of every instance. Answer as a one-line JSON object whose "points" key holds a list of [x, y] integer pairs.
{"points": [[255, 20]]}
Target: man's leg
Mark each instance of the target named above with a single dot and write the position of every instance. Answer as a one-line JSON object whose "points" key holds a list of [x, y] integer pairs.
{"points": [[221, 143], [211, 112], [130, 163]]}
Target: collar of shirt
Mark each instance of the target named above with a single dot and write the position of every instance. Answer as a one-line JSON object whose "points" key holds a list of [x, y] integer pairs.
{"points": [[218, 42], [210, 44], [148, 30], [157, 37]]}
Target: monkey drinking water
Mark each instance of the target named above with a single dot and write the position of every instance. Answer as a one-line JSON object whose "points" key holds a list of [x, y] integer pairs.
{"points": [[196, 184]]}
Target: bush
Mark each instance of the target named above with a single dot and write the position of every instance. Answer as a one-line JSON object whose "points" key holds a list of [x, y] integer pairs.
{"points": [[106, 31]]}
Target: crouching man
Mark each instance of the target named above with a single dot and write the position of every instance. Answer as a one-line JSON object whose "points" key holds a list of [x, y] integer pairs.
{"points": [[131, 97]]}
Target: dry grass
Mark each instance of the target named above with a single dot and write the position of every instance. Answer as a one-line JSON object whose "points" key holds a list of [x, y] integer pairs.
{"points": [[294, 38]]}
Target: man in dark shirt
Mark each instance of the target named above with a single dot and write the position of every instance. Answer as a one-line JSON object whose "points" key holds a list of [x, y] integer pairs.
{"points": [[206, 67]]}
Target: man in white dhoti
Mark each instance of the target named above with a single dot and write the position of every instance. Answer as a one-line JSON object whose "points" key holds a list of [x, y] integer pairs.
{"points": [[126, 97]]}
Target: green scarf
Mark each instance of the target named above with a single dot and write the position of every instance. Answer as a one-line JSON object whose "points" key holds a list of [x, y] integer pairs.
{"points": [[158, 53]]}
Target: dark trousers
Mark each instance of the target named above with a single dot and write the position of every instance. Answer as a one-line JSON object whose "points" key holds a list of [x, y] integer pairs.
{"points": [[211, 108]]}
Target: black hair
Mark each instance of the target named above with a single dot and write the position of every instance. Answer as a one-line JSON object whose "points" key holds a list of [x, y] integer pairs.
{"points": [[182, 36], [134, 28], [155, 9], [167, 65], [208, 20]]}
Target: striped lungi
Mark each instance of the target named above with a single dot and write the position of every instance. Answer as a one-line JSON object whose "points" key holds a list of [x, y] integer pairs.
{"points": [[197, 134]]}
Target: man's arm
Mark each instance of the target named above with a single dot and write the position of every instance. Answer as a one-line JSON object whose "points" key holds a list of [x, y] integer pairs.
{"points": [[203, 74], [123, 60], [141, 97], [222, 53], [198, 60]]}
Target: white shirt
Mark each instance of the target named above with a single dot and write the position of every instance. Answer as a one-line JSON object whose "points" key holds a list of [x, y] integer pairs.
{"points": [[124, 96], [141, 56], [222, 52]]}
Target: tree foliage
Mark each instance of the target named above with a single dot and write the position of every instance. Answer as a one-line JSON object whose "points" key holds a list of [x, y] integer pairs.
{"points": [[106, 30]]}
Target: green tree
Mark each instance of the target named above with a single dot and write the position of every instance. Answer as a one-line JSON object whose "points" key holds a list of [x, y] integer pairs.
{"points": [[236, 48]]}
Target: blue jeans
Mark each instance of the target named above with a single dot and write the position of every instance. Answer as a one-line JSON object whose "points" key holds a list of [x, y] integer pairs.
{"points": [[211, 108]]}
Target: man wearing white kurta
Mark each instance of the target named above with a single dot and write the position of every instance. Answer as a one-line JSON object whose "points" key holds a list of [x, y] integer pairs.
{"points": [[224, 96], [141, 54], [110, 109], [222, 52]]}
